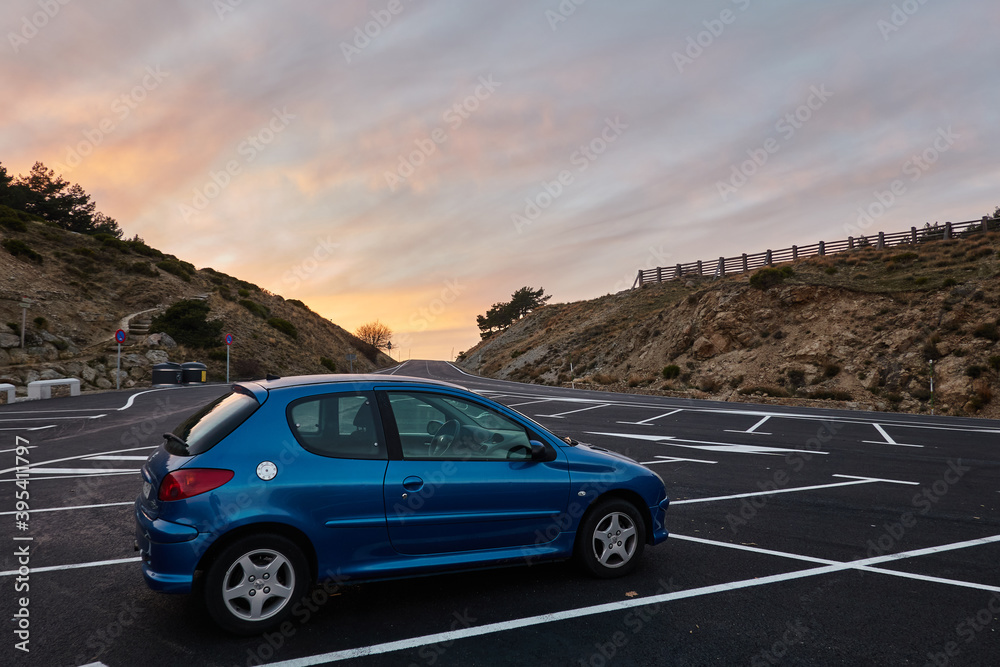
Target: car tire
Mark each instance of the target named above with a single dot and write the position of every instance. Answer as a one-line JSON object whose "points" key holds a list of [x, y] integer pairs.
{"points": [[610, 539], [252, 584]]}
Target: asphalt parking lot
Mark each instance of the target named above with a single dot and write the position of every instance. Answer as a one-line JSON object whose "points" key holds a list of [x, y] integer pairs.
{"points": [[797, 537]]}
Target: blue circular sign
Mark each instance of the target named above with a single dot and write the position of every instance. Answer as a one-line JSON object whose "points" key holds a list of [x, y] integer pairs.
{"points": [[229, 339], [120, 336]]}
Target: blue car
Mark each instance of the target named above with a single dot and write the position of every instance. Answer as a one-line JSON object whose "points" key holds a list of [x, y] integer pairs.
{"points": [[284, 483]]}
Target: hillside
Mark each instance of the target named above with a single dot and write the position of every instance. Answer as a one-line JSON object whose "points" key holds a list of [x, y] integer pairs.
{"points": [[856, 329], [83, 288]]}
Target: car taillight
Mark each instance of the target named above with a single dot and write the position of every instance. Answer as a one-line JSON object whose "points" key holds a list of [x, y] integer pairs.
{"points": [[185, 483]]}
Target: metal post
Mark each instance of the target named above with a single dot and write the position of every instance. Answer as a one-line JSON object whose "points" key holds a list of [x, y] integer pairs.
{"points": [[118, 371], [24, 322], [932, 386], [227, 364]]}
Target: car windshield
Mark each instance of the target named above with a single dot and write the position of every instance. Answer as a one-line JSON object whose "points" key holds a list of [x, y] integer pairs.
{"points": [[205, 428]]}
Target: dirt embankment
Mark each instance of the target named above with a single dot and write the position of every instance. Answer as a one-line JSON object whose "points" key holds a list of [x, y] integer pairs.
{"points": [[857, 329]]}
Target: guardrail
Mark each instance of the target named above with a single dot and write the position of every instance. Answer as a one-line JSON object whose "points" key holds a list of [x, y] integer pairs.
{"points": [[744, 263]]}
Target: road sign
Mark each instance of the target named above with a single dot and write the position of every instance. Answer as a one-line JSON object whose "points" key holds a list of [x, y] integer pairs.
{"points": [[229, 339], [120, 336]]}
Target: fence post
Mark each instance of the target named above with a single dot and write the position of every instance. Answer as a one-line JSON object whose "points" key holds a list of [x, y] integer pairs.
{"points": [[850, 242], [744, 262], [678, 272], [913, 234], [795, 252], [822, 248], [659, 274], [767, 258], [721, 271], [881, 240], [947, 231], [986, 223], [699, 268]]}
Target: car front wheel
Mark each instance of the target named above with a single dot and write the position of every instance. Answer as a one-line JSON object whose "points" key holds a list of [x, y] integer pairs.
{"points": [[611, 539], [252, 585]]}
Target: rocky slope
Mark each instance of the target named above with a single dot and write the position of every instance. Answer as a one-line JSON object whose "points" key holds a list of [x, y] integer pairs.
{"points": [[82, 289], [857, 329]]}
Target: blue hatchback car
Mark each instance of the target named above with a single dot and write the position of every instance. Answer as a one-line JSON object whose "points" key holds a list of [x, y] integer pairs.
{"points": [[284, 483]]}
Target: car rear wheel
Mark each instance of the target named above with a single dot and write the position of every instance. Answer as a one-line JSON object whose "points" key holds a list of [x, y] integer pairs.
{"points": [[611, 539], [251, 586]]}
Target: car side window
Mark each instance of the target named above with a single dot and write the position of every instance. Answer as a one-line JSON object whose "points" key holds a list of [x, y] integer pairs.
{"points": [[435, 426], [337, 425]]}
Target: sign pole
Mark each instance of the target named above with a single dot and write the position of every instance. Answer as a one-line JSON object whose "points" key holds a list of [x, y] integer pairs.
{"points": [[118, 371], [229, 343], [25, 304]]}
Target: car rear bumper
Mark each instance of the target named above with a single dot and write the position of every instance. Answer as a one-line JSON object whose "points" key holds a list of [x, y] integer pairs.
{"points": [[169, 551]]}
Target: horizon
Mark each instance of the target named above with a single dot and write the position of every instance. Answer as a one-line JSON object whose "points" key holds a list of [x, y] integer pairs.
{"points": [[416, 163]]}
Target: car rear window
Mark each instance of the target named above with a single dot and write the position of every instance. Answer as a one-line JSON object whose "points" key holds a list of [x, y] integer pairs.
{"points": [[207, 427]]}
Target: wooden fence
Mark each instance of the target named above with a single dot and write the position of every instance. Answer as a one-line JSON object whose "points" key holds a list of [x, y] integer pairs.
{"points": [[744, 263]]}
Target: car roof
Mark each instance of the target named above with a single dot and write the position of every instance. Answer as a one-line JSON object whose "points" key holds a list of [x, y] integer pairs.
{"points": [[304, 380]]}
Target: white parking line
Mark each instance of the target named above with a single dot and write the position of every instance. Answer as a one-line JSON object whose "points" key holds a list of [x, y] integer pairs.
{"points": [[563, 414], [111, 457], [48, 419], [72, 507], [855, 480], [648, 422], [85, 471], [622, 605], [544, 400], [75, 566], [753, 429], [887, 441], [77, 458], [673, 459]]}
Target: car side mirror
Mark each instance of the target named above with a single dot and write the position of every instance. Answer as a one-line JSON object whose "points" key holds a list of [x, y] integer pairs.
{"points": [[540, 452]]}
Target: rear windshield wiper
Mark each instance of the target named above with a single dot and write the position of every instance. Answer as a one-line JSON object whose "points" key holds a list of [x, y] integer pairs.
{"points": [[177, 439]]}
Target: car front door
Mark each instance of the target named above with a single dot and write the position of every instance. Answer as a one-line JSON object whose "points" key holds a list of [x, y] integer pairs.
{"points": [[466, 479]]}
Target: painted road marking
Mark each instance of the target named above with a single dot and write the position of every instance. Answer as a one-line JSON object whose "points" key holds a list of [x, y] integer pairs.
{"points": [[673, 459], [76, 566], [83, 471], [65, 477], [709, 446], [77, 458], [753, 429], [647, 422], [855, 480], [571, 412], [887, 441], [47, 419], [72, 507], [543, 400], [111, 457], [621, 605]]}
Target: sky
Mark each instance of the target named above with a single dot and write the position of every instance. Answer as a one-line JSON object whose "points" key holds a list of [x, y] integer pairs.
{"points": [[416, 161]]}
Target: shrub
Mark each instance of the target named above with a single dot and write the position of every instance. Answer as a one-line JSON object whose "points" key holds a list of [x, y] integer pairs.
{"points": [[834, 395], [604, 378], [217, 355], [671, 371], [18, 247], [830, 270], [921, 394], [987, 330], [796, 377], [296, 302], [12, 223], [949, 282], [831, 370], [922, 280], [186, 322], [141, 268], [137, 245], [244, 292], [994, 362], [770, 276], [284, 326], [974, 371], [176, 268], [328, 364], [226, 294], [766, 390], [248, 368], [931, 352], [257, 309], [41, 322]]}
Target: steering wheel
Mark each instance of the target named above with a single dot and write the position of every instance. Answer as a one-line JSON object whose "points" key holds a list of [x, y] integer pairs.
{"points": [[445, 437]]}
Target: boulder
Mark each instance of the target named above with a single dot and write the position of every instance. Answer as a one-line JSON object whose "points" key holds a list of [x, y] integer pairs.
{"points": [[133, 360], [104, 384], [9, 340], [50, 374], [88, 374], [157, 356], [161, 340]]}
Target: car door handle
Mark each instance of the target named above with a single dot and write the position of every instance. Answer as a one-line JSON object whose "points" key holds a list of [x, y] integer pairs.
{"points": [[413, 483]]}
